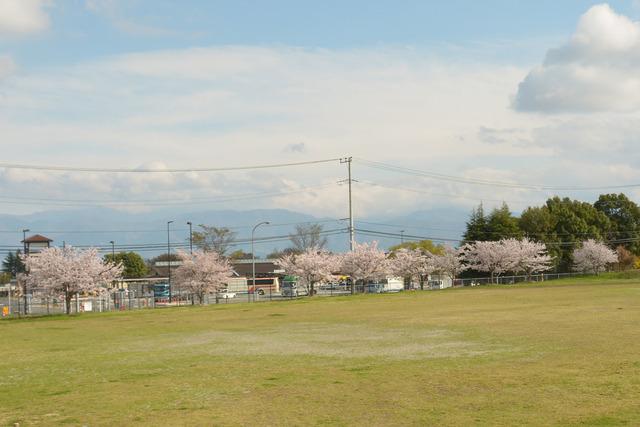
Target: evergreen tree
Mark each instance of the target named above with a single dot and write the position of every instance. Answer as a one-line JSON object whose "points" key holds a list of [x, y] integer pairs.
{"points": [[476, 226], [13, 264], [501, 224]]}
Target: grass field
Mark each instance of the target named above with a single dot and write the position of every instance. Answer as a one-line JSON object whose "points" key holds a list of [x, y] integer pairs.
{"points": [[566, 353]]}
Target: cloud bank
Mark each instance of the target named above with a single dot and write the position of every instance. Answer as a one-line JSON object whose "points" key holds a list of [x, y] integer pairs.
{"points": [[598, 69]]}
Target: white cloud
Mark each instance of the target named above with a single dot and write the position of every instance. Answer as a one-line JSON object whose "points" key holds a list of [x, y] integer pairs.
{"points": [[21, 17], [239, 105], [598, 69]]}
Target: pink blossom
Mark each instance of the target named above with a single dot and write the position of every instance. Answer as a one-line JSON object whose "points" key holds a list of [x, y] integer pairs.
{"points": [[593, 256], [70, 271], [202, 272], [365, 262], [312, 266]]}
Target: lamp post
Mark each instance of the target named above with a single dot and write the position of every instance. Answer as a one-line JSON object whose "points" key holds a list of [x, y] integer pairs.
{"points": [[253, 258], [169, 257], [113, 251], [190, 237]]}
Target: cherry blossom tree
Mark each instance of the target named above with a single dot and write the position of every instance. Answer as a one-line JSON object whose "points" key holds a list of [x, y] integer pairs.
{"points": [[529, 257], [313, 266], [410, 264], [366, 262], [494, 258], [202, 272], [450, 263], [70, 272], [593, 256]]}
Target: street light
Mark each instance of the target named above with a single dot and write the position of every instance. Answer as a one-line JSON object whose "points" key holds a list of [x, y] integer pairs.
{"points": [[113, 251], [169, 257], [190, 237], [253, 259]]}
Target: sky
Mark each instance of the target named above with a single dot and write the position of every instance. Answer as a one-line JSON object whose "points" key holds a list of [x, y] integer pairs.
{"points": [[534, 98]]}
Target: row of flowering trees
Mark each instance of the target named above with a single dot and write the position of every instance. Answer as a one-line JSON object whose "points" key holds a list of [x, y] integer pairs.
{"points": [[367, 262], [69, 271]]}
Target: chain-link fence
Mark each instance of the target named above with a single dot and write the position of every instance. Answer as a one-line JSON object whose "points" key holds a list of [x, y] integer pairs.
{"points": [[38, 304]]}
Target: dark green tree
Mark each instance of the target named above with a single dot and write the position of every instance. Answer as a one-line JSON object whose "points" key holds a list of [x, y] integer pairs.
{"points": [[134, 265], [476, 226], [624, 216], [13, 264], [501, 224], [562, 224]]}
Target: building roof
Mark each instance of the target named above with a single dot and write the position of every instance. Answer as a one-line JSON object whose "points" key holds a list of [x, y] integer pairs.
{"points": [[263, 268], [37, 238]]}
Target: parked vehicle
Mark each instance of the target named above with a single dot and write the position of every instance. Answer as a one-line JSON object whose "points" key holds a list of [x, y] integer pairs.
{"points": [[289, 287], [226, 294], [263, 285], [238, 285], [390, 284]]}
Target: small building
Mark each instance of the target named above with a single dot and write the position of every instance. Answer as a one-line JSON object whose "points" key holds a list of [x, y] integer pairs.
{"points": [[264, 268], [36, 243], [439, 281]]}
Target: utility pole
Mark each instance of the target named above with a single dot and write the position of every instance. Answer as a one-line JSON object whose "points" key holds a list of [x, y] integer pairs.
{"points": [[401, 236], [352, 232], [169, 257], [190, 224], [24, 285]]}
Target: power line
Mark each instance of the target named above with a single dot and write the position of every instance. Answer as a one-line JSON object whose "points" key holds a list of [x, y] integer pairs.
{"points": [[173, 230], [7, 165], [448, 196], [477, 181], [79, 202], [375, 233]]}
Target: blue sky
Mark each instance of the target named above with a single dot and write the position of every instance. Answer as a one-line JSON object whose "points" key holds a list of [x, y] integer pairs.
{"points": [[80, 30], [542, 92]]}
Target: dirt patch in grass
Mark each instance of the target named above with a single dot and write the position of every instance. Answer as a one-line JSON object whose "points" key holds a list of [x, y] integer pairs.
{"points": [[330, 340]]}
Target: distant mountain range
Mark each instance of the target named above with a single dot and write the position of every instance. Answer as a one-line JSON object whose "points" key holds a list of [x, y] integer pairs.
{"points": [[99, 226]]}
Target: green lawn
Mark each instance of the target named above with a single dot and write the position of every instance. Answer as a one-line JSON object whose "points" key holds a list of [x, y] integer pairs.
{"points": [[566, 353]]}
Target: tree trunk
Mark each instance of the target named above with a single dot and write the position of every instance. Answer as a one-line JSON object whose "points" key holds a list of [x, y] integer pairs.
{"points": [[353, 286], [311, 289], [67, 300]]}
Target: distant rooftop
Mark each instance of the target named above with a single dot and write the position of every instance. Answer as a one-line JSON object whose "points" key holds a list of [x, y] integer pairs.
{"points": [[37, 238]]}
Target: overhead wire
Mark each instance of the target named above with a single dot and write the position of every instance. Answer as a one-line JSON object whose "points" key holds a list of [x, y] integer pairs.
{"points": [[478, 181], [8, 165]]}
